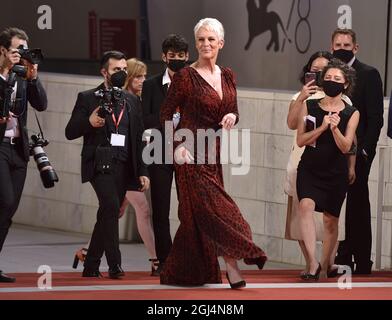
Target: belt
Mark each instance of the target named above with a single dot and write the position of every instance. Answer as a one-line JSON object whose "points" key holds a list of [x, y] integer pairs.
{"points": [[12, 140]]}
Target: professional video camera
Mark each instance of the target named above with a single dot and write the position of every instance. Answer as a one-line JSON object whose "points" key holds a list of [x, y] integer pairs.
{"points": [[48, 174], [108, 97]]}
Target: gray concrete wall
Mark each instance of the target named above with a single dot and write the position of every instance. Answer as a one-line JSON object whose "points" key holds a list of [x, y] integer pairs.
{"points": [[71, 206]]}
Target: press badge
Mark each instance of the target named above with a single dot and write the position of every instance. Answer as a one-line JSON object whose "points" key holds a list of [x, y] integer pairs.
{"points": [[117, 140]]}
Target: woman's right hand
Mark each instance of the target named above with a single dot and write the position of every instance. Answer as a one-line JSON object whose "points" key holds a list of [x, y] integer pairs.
{"points": [[326, 122], [307, 90]]}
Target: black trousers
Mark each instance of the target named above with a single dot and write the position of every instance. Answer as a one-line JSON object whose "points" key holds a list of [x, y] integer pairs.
{"points": [[161, 176], [358, 241], [13, 170], [110, 189]]}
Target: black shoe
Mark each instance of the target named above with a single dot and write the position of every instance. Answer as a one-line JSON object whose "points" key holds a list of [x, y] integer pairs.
{"points": [[312, 277], [237, 285], [87, 273], [363, 268], [116, 272], [156, 267], [260, 261], [332, 273], [80, 255], [5, 278]]}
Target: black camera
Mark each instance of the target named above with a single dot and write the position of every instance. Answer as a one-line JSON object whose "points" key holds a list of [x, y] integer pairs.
{"points": [[34, 56], [108, 97], [48, 174]]}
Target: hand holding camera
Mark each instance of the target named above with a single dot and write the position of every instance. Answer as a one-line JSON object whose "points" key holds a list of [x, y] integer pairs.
{"points": [[95, 120], [31, 70], [12, 57]]}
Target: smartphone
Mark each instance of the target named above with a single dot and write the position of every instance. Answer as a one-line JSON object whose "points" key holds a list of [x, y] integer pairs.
{"points": [[309, 76]]}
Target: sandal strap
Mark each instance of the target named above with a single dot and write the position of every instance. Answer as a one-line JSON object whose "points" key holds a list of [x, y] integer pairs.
{"points": [[155, 262]]}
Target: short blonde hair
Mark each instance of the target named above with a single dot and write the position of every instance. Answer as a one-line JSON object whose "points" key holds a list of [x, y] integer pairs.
{"points": [[135, 68], [211, 24]]}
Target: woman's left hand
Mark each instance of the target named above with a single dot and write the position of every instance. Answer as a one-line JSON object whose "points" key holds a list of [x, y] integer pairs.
{"points": [[144, 182], [228, 121], [335, 119]]}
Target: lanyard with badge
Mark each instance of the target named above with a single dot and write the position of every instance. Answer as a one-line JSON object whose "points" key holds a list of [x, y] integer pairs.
{"points": [[116, 139]]}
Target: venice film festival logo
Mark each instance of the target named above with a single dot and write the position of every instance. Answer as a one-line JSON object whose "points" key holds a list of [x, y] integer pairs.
{"points": [[260, 20]]}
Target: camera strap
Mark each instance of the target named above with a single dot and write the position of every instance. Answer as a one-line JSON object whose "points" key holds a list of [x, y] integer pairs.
{"points": [[39, 125]]}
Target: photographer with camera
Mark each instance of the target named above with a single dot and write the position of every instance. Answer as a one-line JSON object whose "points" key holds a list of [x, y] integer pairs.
{"points": [[19, 84], [110, 121]]}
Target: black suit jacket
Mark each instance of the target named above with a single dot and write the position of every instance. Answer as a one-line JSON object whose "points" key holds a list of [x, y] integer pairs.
{"points": [[368, 98], [27, 91], [79, 125], [153, 95]]}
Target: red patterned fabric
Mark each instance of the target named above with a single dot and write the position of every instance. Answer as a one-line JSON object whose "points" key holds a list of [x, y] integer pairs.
{"points": [[211, 224]]}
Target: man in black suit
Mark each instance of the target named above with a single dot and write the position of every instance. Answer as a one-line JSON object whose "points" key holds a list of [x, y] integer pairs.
{"points": [[14, 141], [111, 157], [174, 54], [368, 99]]}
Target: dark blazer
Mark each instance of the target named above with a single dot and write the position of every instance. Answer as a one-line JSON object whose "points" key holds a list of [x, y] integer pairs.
{"points": [[153, 94], [79, 125], [368, 98], [27, 91]]}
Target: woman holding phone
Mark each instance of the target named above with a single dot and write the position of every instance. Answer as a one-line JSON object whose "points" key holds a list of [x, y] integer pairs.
{"points": [[310, 78], [323, 173]]}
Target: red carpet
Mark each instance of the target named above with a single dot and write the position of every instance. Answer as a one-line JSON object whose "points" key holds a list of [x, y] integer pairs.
{"points": [[261, 285]]}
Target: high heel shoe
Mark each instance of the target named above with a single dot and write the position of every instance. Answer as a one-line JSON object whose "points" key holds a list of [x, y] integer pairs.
{"points": [[312, 277], [156, 267], [332, 272], [236, 285], [259, 261], [80, 255]]}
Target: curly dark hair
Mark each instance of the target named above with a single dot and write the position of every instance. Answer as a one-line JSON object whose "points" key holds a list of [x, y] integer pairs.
{"points": [[319, 54], [174, 42], [348, 73]]}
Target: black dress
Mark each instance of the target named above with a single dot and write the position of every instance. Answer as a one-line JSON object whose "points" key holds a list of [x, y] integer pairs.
{"points": [[323, 171]]}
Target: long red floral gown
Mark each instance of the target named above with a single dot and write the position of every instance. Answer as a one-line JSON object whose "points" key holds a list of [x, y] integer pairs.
{"points": [[211, 224]]}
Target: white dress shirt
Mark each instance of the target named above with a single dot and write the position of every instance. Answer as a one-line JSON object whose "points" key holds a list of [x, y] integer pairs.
{"points": [[12, 129]]}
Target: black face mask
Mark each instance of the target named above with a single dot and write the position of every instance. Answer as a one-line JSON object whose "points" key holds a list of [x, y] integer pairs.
{"points": [[176, 64], [332, 88], [344, 55], [118, 79]]}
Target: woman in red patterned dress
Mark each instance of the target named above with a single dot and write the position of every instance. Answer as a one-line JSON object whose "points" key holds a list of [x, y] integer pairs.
{"points": [[211, 224]]}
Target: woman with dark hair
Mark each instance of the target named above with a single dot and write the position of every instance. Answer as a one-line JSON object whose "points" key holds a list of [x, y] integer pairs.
{"points": [[311, 90], [323, 173]]}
